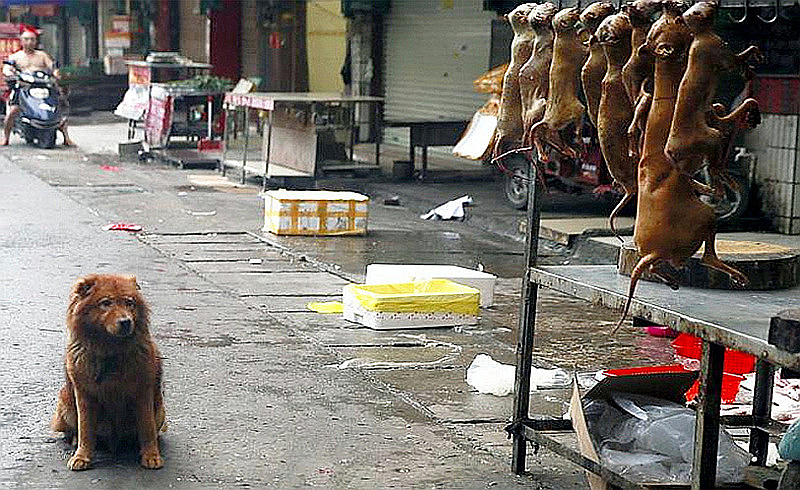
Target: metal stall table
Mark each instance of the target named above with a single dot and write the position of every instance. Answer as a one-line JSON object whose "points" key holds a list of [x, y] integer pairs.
{"points": [[301, 138], [721, 318], [424, 133], [141, 74]]}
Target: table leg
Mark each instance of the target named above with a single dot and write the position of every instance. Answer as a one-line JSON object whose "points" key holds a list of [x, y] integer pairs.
{"points": [[246, 141], [762, 411], [227, 116], [526, 327], [424, 171], [269, 150], [378, 132], [353, 128], [706, 434]]}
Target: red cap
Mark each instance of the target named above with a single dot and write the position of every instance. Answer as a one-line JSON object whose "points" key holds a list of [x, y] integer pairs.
{"points": [[23, 28]]}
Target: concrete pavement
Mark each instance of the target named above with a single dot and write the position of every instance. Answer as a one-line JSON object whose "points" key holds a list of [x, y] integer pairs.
{"points": [[253, 390], [254, 393]]}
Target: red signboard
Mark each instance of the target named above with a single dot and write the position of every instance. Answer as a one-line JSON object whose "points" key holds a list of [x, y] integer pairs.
{"points": [[9, 43], [138, 75]]}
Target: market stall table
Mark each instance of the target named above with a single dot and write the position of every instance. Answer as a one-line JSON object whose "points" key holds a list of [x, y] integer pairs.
{"points": [[141, 74], [301, 135], [721, 318]]}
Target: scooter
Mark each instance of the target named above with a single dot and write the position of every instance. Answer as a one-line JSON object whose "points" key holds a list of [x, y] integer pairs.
{"points": [[40, 115]]}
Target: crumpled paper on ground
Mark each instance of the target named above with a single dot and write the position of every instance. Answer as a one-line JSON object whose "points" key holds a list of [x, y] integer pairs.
{"points": [[450, 210], [489, 376]]}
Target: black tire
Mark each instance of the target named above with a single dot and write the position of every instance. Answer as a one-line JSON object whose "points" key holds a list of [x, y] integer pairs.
{"points": [[735, 199], [515, 181], [46, 138]]}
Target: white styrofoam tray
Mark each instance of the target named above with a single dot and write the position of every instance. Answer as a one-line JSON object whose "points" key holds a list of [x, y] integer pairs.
{"points": [[394, 273], [430, 313]]}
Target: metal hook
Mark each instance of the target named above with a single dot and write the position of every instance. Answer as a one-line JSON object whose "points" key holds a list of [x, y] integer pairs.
{"points": [[775, 17], [579, 4], [744, 17]]}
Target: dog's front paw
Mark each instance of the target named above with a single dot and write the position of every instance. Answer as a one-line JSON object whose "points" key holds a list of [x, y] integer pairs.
{"points": [[152, 460], [79, 462]]}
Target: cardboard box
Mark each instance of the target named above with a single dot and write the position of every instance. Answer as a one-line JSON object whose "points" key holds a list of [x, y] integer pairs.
{"points": [[667, 385], [315, 212], [424, 304], [392, 273]]}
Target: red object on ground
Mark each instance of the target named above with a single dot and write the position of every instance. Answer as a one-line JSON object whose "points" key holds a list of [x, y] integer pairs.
{"points": [[736, 362], [123, 227], [110, 168], [660, 331]]}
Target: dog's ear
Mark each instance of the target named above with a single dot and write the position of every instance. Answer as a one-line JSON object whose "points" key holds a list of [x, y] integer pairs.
{"points": [[84, 286], [135, 282]]}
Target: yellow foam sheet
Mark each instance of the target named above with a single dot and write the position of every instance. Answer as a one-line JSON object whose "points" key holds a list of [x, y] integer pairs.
{"points": [[326, 307], [435, 295]]}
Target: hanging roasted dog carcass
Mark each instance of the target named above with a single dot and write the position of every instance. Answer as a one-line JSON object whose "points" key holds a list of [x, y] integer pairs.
{"points": [[509, 118], [692, 141], [671, 220], [639, 67], [563, 106], [595, 67], [535, 74], [615, 110]]}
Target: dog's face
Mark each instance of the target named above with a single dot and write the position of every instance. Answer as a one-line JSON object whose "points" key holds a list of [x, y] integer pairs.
{"points": [[110, 304]]}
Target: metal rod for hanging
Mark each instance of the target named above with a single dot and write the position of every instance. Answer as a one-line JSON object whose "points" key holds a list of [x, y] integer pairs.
{"points": [[777, 9], [744, 16]]}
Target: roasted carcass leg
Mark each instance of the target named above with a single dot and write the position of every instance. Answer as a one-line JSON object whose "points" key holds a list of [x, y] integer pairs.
{"points": [[691, 140]]}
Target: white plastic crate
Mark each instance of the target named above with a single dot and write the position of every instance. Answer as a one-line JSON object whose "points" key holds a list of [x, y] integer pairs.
{"points": [[424, 304], [394, 273], [315, 212]]}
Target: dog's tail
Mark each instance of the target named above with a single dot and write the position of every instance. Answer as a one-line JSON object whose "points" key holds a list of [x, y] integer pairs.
{"points": [[641, 266]]}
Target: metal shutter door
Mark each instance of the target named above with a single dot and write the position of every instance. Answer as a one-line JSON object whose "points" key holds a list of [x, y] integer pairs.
{"points": [[432, 55]]}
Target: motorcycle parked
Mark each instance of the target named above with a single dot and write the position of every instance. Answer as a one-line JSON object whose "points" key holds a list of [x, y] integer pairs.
{"points": [[40, 113]]}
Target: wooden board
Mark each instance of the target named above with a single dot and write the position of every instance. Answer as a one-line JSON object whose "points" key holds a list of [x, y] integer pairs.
{"points": [[767, 266]]}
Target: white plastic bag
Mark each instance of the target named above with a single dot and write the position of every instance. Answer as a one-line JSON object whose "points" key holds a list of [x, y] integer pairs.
{"points": [[651, 439], [489, 376]]}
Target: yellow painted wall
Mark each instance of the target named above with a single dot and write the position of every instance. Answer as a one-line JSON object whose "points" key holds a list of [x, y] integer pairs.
{"points": [[326, 30]]}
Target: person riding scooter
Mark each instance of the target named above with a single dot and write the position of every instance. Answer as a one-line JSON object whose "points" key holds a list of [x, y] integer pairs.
{"points": [[28, 59]]}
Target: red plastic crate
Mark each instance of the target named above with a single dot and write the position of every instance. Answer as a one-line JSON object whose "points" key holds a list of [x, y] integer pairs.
{"points": [[736, 362], [730, 386]]}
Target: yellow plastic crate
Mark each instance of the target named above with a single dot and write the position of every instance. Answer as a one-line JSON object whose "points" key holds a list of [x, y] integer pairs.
{"points": [[315, 212], [432, 303]]}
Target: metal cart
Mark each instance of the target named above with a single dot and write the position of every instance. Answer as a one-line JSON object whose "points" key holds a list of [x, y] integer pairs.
{"points": [[721, 318]]}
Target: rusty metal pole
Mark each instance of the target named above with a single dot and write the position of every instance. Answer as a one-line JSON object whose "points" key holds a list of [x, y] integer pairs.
{"points": [[706, 430], [526, 325], [762, 411]]}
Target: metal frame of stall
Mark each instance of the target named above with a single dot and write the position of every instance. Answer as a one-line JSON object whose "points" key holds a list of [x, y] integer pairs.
{"points": [[144, 73], [269, 101], [689, 310]]}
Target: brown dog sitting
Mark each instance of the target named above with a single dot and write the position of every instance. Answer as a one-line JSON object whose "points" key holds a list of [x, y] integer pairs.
{"points": [[113, 371]]}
